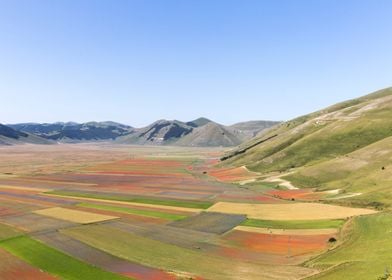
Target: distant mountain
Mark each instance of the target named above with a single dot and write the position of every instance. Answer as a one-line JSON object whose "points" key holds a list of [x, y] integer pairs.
{"points": [[10, 136], [200, 133], [212, 134], [158, 133], [75, 132]]}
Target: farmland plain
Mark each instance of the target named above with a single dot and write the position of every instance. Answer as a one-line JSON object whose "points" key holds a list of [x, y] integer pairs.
{"points": [[132, 212]]}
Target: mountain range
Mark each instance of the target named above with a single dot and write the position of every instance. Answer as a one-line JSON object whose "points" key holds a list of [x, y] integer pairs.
{"points": [[200, 132], [74, 132], [10, 136]]}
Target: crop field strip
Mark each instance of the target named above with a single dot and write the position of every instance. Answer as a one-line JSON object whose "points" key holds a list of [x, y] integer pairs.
{"points": [[289, 211], [288, 245], [298, 224], [53, 261], [100, 258], [207, 243], [321, 231], [7, 232], [142, 212], [210, 222], [170, 257], [185, 238], [132, 199], [9, 208], [12, 267], [74, 216], [134, 183], [30, 222], [232, 175]]}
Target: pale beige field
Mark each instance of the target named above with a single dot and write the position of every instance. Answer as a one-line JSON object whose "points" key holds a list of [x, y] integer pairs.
{"points": [[294, 211], [75, 216], [288, 231], [23, 188]]}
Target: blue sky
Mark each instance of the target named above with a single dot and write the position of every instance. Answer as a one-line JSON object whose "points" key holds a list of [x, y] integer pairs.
{"points": [[137, 61]]}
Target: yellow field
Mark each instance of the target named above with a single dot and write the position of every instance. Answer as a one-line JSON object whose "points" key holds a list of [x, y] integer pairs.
{"points": [[288, 231], [294, 211], [24, 188], [75, 216]]}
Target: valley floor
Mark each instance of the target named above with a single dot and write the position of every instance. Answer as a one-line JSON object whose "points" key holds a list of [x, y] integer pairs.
{"points": [[131, 212]]}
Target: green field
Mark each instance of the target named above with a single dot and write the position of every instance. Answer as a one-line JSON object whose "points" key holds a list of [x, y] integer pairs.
{"points": [[53, 261], [365, 255], [317, 224], [144, 200], [142, 212]]}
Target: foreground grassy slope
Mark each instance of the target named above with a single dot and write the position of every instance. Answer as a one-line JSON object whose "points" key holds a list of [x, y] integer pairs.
{"points": [[366, 172], [365, 255], [346, 146]]}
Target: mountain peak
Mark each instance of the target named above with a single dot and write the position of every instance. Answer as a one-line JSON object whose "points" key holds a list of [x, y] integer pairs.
{"points": [[199, 122]]}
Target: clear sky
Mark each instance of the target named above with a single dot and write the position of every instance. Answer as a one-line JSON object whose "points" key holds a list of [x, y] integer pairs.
{"points": [[137, 61]]}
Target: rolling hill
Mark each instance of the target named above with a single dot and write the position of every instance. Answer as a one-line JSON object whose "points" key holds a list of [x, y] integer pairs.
{"points": [[347, 146], [252, 128], [10, 136]]}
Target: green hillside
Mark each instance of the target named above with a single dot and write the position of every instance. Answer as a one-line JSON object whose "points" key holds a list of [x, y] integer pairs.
{"points": [[347, 146]]}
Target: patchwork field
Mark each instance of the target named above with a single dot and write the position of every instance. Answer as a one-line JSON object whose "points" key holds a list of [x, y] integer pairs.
{"points": [[127, 212]]}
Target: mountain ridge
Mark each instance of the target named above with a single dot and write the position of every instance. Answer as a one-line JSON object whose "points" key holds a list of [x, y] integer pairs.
{"points": [[199, 132]]}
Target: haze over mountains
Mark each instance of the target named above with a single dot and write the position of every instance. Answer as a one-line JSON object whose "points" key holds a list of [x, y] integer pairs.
{"points": [[345, 147], [199, 132]]}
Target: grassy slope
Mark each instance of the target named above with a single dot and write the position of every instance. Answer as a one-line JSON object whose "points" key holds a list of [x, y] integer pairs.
{"points": [[53, 261], [145, 200], [367, 171], [317, 224], [344, 146], [365, 255], [142, 212]]}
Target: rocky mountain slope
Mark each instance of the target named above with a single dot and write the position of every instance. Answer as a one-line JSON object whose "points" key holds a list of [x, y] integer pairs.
{"points": [[10, 136], [75, 132], [200, 133]]}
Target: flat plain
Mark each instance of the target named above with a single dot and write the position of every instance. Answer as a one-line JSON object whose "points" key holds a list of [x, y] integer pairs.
{"points": [[132, 212]]}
